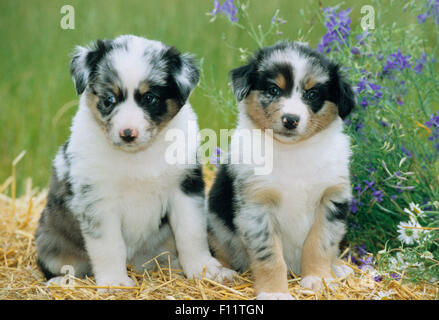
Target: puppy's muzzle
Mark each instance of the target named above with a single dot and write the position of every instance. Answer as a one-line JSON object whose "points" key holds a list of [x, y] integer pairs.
{"points": [[128, 135]]}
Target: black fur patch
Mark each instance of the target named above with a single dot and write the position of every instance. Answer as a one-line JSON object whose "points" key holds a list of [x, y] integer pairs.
{"points": [[46, 272], [222, 197], [193, 183], [158, 108], [322, 94], [341, 211], [249, 77], [176, 64], [83, 72], [102, 47]]}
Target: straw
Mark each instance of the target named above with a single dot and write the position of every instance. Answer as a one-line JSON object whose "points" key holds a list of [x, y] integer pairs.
{"points": [[20, 277]]}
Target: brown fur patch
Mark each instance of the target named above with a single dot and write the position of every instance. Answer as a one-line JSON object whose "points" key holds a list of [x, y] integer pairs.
{"points": [[116, 90], [316, 259], [218, 251], [309, 83], [320, 120], [143, 87], [92, 102], [173, 109], [266, 196], [281, 82], [271, 275], [263, 118]]}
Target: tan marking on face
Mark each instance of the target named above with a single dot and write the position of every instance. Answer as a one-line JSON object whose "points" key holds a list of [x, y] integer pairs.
{"points": [[271, 275], [91, 101], [281, 82], [309, 83], [143, 87], [172, 110], [116, 90], [263, 118], [316, 259], [320, 120]]}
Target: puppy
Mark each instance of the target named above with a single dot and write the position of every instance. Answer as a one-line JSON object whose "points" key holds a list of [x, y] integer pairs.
{"points": [[113, 198], [294, 217]]}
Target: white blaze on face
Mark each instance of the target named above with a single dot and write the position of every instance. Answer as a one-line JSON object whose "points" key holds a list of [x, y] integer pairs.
{"points": [[294, 105], [129, 116]]}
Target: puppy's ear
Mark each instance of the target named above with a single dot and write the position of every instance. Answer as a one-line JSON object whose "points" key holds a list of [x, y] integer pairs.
{"points": [[85, 61], [241, 80], [183, 70], [345, 95]]}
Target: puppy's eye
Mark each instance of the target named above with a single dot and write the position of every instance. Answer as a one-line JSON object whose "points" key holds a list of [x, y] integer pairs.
{"points": [[149, 98], [312, 95], [274, 91], [109, 101]]}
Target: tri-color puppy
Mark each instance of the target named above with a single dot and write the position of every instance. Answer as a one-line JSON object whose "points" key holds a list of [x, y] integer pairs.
{"points": [[113, 198], [293, 218]]}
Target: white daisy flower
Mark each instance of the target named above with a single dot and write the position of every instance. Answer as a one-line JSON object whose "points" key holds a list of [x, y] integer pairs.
{"points": [[416, 209], [383, 295], [408, 233], [414, 212]]}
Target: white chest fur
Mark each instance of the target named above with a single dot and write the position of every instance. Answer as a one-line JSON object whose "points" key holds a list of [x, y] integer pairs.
{"points": [[137, 187], [301, 173]]}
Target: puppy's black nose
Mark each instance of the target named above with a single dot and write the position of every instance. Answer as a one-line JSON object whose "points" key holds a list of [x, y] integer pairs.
{"points": [[290, 121], [128, 135]]}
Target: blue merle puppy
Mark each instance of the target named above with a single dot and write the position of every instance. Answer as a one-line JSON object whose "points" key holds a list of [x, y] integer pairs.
{"points": [[113, 198], [294, 217]]}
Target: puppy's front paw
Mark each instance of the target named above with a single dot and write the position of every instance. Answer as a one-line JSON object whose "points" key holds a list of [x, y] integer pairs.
{"points": [[214, 270], [341, 270], [108, 281], [274, 296], [315, 283]]}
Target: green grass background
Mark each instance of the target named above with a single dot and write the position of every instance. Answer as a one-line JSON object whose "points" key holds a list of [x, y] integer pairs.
{"points": [[35, 82]]}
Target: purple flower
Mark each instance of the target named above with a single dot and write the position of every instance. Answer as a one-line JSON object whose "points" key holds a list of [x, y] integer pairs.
{"points": [[396, 62], [433, 124], [395, 276], [215, 159], [361, 250], [432, 7], [355, 204], [358, 188], [355, 50], [366, 264], [358, 126], [351, 258], [338, 26], [364, 103], [380, 57], [420, 63], [434, 121], [361, 86], [378, 195], [407, 152], [378, 278], [384, 123], [360, 37], [227, 8], [369, 184]]}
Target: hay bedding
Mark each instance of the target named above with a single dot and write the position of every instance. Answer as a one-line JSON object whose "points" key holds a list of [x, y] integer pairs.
{"points": [[21, 279]]}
